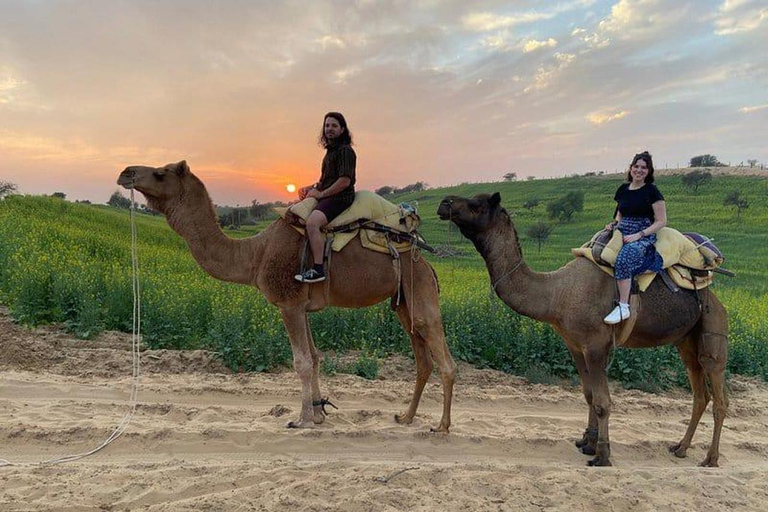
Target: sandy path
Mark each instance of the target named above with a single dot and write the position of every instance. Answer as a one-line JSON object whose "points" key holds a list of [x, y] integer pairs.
{"points": [[203, 440]]}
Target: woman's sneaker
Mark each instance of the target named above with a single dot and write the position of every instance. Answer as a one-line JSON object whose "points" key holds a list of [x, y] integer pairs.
{"points": [[310, 276], [619, 313]]}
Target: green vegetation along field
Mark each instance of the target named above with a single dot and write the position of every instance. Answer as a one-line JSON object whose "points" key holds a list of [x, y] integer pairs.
{"points": [[70, 263]]}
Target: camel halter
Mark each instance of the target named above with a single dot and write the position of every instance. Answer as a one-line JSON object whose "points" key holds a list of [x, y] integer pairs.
{"points": [[136, 358]]}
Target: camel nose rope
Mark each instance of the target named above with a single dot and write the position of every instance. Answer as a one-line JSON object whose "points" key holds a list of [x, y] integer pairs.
{"points": [[136, 362]]}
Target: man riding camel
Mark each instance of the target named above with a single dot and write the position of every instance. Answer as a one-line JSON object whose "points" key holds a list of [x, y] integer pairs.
{"points": [[335, 191]]}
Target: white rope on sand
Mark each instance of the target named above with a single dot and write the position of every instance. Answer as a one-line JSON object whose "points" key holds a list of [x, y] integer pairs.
{"points": [[136, 363]]}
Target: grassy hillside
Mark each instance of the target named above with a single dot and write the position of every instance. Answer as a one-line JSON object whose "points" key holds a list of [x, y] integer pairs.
{"points": [[70, 263]]}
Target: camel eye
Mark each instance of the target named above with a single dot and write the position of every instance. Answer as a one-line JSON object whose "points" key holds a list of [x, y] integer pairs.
{"points": [[159, 175]]}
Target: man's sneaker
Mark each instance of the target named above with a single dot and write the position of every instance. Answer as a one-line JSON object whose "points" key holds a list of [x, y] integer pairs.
{"points": [[619, 313], [310, 276]]}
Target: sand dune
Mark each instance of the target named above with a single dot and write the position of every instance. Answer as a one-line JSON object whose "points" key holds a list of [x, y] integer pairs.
{"points": [[205, 439]]}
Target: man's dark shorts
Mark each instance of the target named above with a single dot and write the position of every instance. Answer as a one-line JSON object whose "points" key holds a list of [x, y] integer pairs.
{"points": [[332, 207]]}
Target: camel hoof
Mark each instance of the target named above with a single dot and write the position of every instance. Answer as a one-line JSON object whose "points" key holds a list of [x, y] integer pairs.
{"points": [[581, 442], [440, 429], [300, 424], [597, 461], [403, 419], [709, 462], [678, 451], [588, 450], [318, 419]]}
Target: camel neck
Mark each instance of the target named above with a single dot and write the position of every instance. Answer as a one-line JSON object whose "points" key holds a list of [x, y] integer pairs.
{"points": [[224, 258], [529, 293]]}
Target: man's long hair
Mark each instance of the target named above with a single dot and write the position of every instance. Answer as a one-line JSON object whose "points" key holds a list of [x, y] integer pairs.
{"points": [[344, 138], [645, 157]]}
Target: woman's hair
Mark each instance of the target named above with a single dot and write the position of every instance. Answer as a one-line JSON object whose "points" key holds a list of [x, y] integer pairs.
{"points": [[645, 157], [344, 138]]}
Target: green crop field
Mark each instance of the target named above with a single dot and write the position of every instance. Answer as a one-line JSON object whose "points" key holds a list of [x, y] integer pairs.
{"points": [[70, 263]]}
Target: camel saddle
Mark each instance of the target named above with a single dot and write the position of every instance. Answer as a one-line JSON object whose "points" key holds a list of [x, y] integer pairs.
{"points": [[382, 226], [689, 259]]}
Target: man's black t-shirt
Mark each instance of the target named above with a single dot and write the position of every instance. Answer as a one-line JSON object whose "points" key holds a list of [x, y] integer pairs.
{"points": [[340, 160], [637, 203]]}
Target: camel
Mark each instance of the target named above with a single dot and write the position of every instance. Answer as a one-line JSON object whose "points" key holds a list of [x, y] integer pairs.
{"points": [[574, 300], [268, 261]]}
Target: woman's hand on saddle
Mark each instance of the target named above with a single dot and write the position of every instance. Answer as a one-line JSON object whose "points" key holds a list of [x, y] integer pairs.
{"points": [[632, 238]]}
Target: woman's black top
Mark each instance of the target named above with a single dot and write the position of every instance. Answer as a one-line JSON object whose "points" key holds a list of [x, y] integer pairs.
{"points": [[637, 203], [340, 160]]}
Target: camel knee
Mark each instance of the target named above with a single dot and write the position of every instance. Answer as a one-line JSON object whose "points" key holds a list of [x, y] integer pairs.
{"points": [[303, 365], [601, 411], [712, 363]]}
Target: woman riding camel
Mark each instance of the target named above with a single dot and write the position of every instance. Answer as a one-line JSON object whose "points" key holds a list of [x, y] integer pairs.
{"points": [[335, 191], [640, 213]]}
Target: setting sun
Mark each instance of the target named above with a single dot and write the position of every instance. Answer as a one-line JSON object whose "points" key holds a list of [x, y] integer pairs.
{"points": [[290, 187]]}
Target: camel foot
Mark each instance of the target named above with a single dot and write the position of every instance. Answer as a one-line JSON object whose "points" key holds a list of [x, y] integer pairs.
{"points": [[318, 418], [300, 424], [588, 450], [709, 462], [678, 450], [439, 429], [597, 461], [590, 434], [403, 419]]}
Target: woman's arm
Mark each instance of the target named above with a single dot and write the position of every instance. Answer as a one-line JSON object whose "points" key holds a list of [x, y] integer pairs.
{"points": [[660, 214], [337, 186], [615, 222]]}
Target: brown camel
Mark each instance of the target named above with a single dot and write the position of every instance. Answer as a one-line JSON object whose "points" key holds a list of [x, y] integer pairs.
{"points": [[574, 300], [269, 260]]}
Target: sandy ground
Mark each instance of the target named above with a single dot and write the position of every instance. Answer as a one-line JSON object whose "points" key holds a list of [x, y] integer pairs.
{"points": [[206, 439]]}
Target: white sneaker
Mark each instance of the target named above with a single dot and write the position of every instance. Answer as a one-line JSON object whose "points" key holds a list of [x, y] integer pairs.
{"points": [[619, 313]]}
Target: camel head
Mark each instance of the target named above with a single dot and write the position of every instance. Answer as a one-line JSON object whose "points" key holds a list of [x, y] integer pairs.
{"points": [[162, 186], [474, 216]]}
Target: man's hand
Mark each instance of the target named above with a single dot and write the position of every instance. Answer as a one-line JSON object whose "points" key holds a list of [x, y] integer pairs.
{"points": [[303, 191], [313, 193]]}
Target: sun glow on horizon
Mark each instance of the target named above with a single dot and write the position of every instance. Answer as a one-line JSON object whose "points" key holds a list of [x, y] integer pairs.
{"points": [[290, 188]]}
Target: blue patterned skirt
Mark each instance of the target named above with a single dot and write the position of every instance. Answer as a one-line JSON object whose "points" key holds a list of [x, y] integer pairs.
{"points": [[636, 257]]}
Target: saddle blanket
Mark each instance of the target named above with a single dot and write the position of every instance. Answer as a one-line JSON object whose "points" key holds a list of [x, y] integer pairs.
{"points": [[678, 252], [366, 207]]}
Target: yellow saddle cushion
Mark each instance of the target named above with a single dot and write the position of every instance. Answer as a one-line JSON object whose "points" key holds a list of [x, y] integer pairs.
{"points": [[676, 250], [366, 206]]}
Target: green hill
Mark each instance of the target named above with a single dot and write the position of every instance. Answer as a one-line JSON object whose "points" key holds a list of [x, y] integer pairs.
{"points": [[65, 262]]}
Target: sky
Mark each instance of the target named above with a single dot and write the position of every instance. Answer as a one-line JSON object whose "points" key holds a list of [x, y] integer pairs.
{"points": [[439, 91]]}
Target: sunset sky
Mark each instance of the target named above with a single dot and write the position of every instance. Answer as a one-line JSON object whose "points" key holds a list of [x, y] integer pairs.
{"points": [[441, 91]]}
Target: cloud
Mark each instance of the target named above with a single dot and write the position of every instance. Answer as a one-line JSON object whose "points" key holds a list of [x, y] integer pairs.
{"points": [[532, 45], [604, 116], [639, 19], [487, 21], [545, 75], [754, 108], [737, 16]]}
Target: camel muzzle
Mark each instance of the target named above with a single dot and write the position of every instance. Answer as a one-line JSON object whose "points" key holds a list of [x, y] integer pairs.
{"points": [[444, 210], [127, 178]]}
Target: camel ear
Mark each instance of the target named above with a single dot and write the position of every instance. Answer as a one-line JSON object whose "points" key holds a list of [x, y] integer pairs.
{"points": [[495, 200], [182, 168]]}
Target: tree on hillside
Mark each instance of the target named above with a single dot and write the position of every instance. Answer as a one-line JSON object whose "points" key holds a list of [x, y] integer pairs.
{"points": [[695, 179], [736, 200], [510, 176], [564, 207], [705, 161], [539, 232], [531, 203], [385, 190], [259, 210], [59, 195], [752, 162], [118, 200], [7, 188]]}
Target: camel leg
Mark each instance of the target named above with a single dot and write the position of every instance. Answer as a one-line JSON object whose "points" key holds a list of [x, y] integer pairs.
{"points": [[587, 444], [319, 417], [423, 364], [689, 354], [296, 325], [596, 358], [421, 296], [713, 356]]}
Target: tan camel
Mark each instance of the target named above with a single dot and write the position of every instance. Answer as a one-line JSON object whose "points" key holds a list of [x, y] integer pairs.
{"points": [[269, 260], [574, 300]]}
